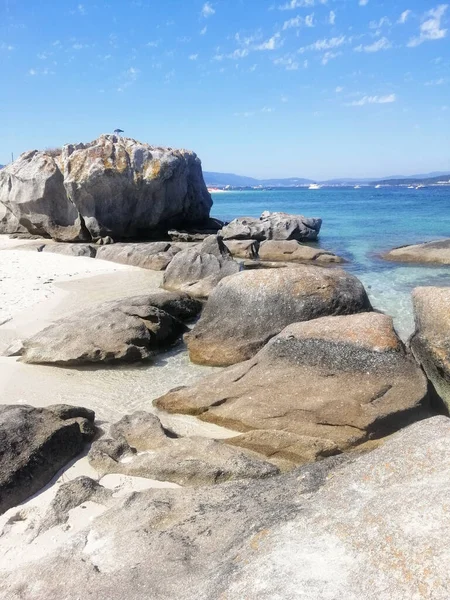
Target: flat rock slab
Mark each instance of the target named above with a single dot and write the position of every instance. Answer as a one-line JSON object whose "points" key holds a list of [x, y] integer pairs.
{"points": [[155, 256], [140, 447], [430, 252], [338, 529], [430, 342], [35, 443], [334, 382], [125, 330], [274, 250], [246, 310]]}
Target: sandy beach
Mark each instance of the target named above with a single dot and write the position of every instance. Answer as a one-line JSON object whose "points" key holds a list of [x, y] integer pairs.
{"points": [[37, 288]]}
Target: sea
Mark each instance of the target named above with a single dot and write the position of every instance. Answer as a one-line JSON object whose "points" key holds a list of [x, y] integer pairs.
{"points": [[359, 225]]}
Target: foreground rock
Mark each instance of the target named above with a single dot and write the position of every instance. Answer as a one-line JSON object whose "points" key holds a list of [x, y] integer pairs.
{"points": [[139, 446], [334, 382], [113, 186], [126, 330], [273, 250], [338, 529], [198, 270], [8, 222], [430, 342], [272, 226], [246, 310], [430, 252], [34, 444]]}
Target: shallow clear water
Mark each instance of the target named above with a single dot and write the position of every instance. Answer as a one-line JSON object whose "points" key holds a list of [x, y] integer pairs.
{"points": [[359, 225]]}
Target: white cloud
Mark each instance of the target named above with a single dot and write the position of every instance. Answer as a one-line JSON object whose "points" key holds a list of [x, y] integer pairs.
{"points": [[207, 10], [252, 113], [339, 89], [363, 2], [81, 9], [293, 4], [309, 21], [381, 44], [294, 22], [204, 30], [289, 63], [325, 44], [7, 47], [404, 16], [379, 24], [129, 77], [32, 72], [270, 44], [440, 81], [332, 17], [374, 100], [152, 44], [329, 56], [431, 27], [193, 56]]}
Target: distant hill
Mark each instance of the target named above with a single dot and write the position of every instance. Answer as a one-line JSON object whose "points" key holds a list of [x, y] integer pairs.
{"points": [[223, 179], [418, 180]]}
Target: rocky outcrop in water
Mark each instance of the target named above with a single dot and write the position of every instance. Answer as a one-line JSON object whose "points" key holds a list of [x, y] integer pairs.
{"points": [[430, 252], [35, 443], [113, 186], [126, 330], [373, 527], [333, 382], [272, 226], [430, 342], [246, 310]]}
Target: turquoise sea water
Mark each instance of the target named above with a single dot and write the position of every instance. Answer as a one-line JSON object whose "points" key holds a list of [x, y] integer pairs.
{"points": [[359, 225]]}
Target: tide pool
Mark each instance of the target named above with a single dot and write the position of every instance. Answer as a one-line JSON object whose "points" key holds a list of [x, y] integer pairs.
{"points": [[360, 224]]}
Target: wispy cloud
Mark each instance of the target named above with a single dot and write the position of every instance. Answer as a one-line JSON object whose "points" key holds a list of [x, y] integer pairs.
{"points": [[329, 56], [381, 44], [332, 17], [128, 78], [374, 100], [204, 30], [207, 10], [363, 2], [384, 21], [339, 89], [7, 47], [440, 81], [81, 9], [325, 44], [193, 56], [252, 113], [404, 16], [271, 44], [288, 62], [431, 28], [293, 4]]}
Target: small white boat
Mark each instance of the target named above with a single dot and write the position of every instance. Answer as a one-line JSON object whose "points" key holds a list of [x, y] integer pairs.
{"points": [[377, 187], [315, 186], [419, 187], [357, 187], [411, 187]]}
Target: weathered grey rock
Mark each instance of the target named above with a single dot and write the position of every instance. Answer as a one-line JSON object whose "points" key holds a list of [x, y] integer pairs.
{"points": [[32, 188], [153, 255], [430, 252], [198, 270], [243, 248], [8, 222], [125, 330], [272, 226], [85, 250], [34, 444], [246, 310], [343, 380], [339, 529], [140, 447], [430, 342], [113, 186], [197, 234], [275, 250]]}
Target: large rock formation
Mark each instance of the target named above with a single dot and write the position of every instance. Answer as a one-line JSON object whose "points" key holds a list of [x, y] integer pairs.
{"points": [[335, 380], [113, 186], [198, 270], [430, 342], [246, 310], [139, 446], [374, 528], [125, 330], [34, 444], [272, 226], [430, 252]]}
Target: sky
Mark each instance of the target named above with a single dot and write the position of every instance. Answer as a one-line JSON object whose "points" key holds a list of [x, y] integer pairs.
{"points": [[264, 88]]}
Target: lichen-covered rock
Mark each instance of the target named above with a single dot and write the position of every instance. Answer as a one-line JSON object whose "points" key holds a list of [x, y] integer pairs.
{"points": [[430, 342], [34, 444], [246, 310], [198, 270], [112, 186], [343, 380], [291, 250], [126, 330], [273, 226], [430, 252]]}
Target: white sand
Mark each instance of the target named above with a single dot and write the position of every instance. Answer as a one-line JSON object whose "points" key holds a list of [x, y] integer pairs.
{"points": [[35, 289]]}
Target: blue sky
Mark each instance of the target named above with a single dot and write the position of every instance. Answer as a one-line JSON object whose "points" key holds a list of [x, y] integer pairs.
{"points": [[266, 88]]}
